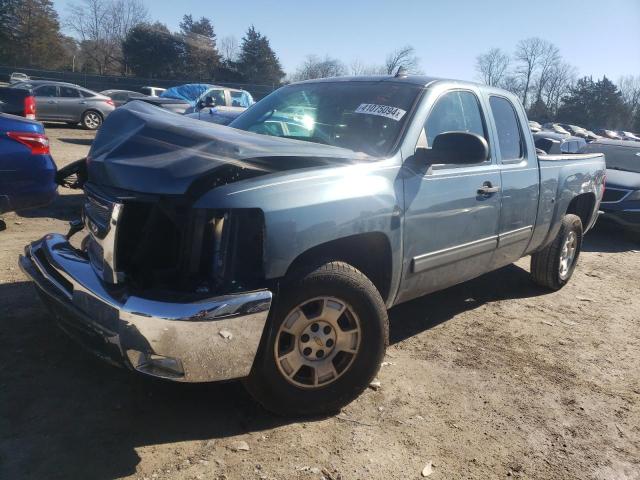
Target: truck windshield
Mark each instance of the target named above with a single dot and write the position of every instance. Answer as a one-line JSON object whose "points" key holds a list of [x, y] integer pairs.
{"points": [[361, 116]]}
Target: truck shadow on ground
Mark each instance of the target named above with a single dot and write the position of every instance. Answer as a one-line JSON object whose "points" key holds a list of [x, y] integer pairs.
{"points": [[64, 207], [67, 415], [77, 141], [608, 238]]}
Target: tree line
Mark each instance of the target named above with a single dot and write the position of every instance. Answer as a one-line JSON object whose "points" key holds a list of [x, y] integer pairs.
{"points": [[117, 37], [550, 89]]}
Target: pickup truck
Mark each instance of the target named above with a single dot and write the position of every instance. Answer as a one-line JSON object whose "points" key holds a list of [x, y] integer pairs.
{"points": [[270, 250], [18, 101]]}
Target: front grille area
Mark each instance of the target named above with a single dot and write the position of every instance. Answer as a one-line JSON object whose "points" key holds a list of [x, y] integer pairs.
{"points": [[164, 245], [100, 215], [614, 194]]}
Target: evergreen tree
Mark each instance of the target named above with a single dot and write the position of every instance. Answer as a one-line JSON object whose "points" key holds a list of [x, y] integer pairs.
{"points": [[596, 104], [30, 33], [200, 55], [8, 30], [151, 50], [258, 63]]}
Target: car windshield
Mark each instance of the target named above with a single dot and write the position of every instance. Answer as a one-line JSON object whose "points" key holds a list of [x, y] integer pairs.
{"points": [[361, 116]]}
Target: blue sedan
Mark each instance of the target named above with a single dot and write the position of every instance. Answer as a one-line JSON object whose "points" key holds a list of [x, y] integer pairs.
{"points": [[27, 171]]}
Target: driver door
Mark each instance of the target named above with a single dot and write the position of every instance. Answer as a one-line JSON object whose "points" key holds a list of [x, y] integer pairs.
{"points": [[451, 228]]}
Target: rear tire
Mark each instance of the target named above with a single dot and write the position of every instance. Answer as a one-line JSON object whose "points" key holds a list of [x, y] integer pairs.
{"points": [[553, 266], [325, 339], [91, 120]]}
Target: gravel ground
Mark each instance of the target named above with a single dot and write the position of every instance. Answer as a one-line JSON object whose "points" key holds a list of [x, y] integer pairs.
{"points": [[489, 379]]}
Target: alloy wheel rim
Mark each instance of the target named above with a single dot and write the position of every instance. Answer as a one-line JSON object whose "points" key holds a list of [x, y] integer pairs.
{"points": [[568, 254], [92, 120], [317, 342]]}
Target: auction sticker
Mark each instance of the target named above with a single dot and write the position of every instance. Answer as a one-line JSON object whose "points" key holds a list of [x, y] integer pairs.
{"points": [[394, 113]]}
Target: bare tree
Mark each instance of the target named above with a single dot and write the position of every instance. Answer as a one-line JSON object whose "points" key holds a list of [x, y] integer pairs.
{"points": [[229, 48], [629, 87], [560, 78], [357, 67], [102, 25], [529, 53], [549, 60], [404, 57], [316, 67], [493, 66]]}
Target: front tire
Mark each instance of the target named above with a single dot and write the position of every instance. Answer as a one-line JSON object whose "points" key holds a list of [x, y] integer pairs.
{"points": [[91, 120], [324, 342], [553, 266]]}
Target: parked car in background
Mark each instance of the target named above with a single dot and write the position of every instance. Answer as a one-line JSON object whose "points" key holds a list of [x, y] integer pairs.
{"points": [[379, 190], [223, 99], [152, 91], [534, 126], [18, 77], [606, 133], [120, 97], [18, 101], [69, 103], [628, 136], [555, 127], [213, 115], [556, 143], [621, 200], [27, 171]]}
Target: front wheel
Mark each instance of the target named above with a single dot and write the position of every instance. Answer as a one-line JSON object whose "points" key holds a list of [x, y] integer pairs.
{"points": [[324, 343], [553, 266], [91, 120]]}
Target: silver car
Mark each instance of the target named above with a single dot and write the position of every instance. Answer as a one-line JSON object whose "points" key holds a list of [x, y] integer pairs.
{"points": [[66, 102]]}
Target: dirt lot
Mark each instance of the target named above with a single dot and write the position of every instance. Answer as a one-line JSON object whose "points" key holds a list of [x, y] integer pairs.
{"points": [[490, 379]]}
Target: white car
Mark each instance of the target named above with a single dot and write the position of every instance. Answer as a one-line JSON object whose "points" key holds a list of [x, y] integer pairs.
{"points": [[152, 91], [18, 77]]}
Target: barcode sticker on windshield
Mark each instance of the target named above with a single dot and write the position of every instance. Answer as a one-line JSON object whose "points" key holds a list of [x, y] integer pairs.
{"points": [[394, 113]]}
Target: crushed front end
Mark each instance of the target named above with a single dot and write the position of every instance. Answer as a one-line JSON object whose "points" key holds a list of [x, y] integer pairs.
{"points": [[158, 286]]}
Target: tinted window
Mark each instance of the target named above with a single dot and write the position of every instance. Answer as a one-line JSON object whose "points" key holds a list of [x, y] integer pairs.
{"points": [[217, 95], [509, 137], [361, 116], [87, 93], [455, 112], [240, 99], [46, 91], [69, 92]]}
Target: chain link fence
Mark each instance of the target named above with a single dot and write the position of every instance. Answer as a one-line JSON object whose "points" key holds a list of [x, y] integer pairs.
{"points": [[105, 82]]}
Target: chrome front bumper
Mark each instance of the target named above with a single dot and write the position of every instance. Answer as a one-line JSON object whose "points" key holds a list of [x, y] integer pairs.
{"points": [[209, 340]]}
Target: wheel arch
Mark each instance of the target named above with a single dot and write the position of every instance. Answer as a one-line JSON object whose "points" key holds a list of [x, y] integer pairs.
{"points": [[583, 206], [369, 252]]}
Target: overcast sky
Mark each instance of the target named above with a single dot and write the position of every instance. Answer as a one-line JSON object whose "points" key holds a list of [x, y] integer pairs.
{"points": [[598, 37]]}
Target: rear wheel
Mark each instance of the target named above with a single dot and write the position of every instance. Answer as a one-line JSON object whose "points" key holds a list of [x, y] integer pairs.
{"points": [[325, 341], [553, 266], [91, 120]]}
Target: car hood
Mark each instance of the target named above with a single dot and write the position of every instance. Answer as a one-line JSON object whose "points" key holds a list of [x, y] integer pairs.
{"points": [[623, 179], [143, 148]]}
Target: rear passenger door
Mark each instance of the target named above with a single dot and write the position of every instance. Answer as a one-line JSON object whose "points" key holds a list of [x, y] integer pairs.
{"points": [[519, 178], [71, 104], [450, 228], [46, 102]]}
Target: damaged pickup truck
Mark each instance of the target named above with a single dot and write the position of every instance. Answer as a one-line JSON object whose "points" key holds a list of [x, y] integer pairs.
{"points": [[271, 250]]}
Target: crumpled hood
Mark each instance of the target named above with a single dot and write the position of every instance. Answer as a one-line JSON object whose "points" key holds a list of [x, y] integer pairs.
{"points": [[143, 148]]}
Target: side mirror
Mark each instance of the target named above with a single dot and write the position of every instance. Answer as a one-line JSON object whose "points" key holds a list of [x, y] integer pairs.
{"points": [[457, 148], [209, 101]]}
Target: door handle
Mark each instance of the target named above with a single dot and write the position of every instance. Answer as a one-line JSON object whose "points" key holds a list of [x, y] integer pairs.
{"points": [[488, 189], [83, 103]]}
